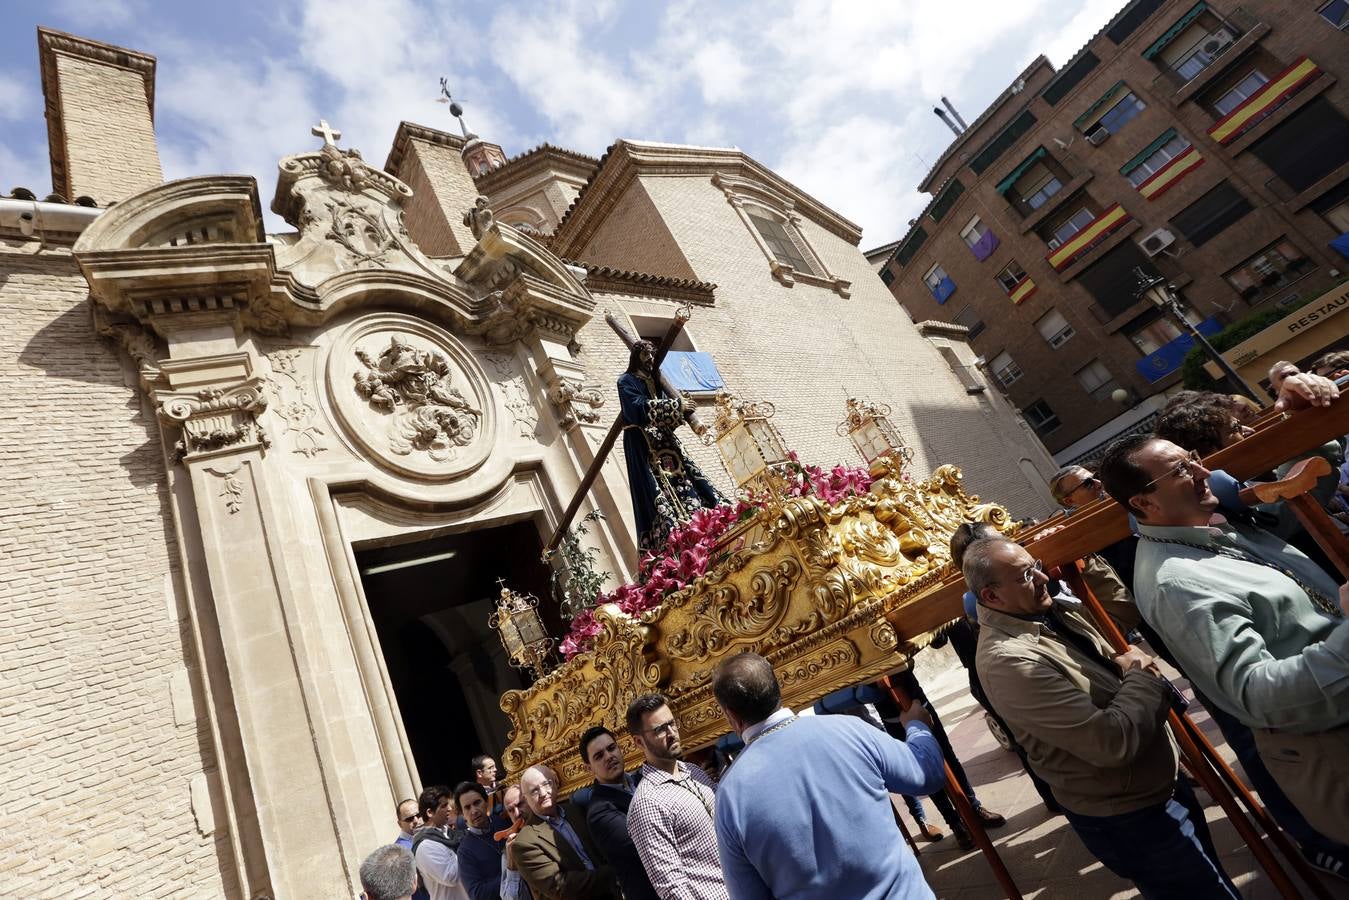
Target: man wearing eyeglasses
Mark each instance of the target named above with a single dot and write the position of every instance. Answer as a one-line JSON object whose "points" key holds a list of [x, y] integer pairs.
{"points": [[1258, 627], [554, 852], [671, 817], [1093, 725], [409, 820]]}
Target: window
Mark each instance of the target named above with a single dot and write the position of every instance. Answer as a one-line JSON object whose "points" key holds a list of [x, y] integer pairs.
{"points": [[1158, 158], [1096, 380], [1244, 90], [1194, 50], [1110, 279], [939, 283], [887, 276], [780, 242], [1307, 146], [974, 232], [1211, 214], [1080, 219], [1275, 267], [1054, 328], [1041, 417], [1005, 369], [1157, 331], [1121, 112], [1010, 276], [1037, 186], [1336, 12], [970, 319]]}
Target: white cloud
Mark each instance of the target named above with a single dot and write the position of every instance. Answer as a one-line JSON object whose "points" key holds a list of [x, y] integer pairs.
{"points": [[17, 100], [1061, 43]]}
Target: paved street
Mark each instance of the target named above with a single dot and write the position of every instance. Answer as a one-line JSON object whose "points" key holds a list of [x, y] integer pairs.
{"points": [[1044, 856]]}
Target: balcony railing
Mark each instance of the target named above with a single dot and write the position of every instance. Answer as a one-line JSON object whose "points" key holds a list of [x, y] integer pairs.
{"points": [[1222, 37]]}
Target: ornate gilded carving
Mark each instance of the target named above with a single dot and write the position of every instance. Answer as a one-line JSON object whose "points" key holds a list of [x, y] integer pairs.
{"points": [[414, 386], [294, 405], [805, 583]]}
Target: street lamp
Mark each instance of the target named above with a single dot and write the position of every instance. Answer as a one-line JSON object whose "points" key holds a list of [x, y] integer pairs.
{"points": [[875, 436], [516, 619], [1162, 294]]}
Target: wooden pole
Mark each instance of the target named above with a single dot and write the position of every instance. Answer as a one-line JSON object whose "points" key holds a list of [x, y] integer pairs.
{"points": [[1072, 573], [971, 819], [1292, 489], [593, 471]]}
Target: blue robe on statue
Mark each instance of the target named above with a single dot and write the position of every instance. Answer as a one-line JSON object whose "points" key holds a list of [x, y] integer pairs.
{"points": [[667, 486]]}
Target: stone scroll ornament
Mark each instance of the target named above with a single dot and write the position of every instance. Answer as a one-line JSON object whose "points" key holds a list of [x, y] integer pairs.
{"points": [[413, 386]]}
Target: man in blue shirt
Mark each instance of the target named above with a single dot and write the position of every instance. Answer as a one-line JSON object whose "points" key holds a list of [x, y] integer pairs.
{"points": [[805, 812]]}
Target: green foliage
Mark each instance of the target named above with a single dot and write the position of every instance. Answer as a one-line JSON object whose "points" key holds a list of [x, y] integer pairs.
{"points": [[1196, 379], [577, 581]]}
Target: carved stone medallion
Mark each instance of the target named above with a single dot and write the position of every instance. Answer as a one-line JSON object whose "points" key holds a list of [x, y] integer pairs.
{"points": [[411, 396]]}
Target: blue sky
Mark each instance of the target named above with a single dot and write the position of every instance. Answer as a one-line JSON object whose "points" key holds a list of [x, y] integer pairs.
{"points": [[837, 96]]}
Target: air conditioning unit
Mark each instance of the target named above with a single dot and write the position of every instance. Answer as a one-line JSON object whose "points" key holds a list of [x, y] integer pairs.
{"points": [[1097, 138], [1156, 242], [1218, 43]]}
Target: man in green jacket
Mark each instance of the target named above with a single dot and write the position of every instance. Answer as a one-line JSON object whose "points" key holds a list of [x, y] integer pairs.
{"points": [[1258, 627], [1093, 724]]}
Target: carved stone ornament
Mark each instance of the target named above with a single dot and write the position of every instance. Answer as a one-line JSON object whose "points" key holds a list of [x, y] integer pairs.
{"points": [[511, 384], [294, 404], [412, 396], [215, 418], [576, 403], [815, 592]]}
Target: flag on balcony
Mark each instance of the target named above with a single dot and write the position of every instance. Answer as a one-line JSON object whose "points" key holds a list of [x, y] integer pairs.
{"points": [[1024, 288], [1163, 179], [1169, 357], [1100, 228], [1264, 101], [943, 289], [984, 247]]}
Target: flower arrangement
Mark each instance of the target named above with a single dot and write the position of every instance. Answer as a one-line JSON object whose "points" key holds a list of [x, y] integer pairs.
{"points": [[692, 548]]}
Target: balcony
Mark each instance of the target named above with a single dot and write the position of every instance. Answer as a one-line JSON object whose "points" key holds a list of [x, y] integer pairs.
{"points": [[1212, 42], [1168, 358], [1090, 236], [1036, 215]]}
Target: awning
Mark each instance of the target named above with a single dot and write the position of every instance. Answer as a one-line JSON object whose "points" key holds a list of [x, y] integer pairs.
{"points": [[1083, 120], [1006, 184], [1170, 34], [1147, 151]]}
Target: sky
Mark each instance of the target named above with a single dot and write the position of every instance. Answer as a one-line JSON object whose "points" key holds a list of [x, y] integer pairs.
{"points": [[835, 96]]}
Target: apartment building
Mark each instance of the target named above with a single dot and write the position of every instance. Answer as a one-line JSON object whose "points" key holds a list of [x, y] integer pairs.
{"points": [[1203, 141]]}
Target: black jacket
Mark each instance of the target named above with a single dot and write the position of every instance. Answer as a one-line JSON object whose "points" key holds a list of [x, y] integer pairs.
{"points": [[607, 819]]}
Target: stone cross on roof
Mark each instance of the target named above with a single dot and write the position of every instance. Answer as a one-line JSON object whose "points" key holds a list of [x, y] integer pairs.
{"points": [[329, 134]]}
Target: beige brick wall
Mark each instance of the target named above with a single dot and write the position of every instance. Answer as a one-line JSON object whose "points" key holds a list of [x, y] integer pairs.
{"points": [[806, 349], [443, 192], [110, 139], [633, 236], [93, 633]]}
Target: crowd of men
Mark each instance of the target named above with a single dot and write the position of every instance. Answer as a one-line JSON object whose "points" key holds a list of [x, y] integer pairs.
{"points": [[1216, 588]]}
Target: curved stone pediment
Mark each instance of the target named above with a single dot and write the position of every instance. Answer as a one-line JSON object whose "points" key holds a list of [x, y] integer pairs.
{"points": [[216, 209]]}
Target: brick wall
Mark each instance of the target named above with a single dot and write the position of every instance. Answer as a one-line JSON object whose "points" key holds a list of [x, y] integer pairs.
{"points": [[442, 193], [110, 140], [93, 630], [807, 349], [633, 236]]}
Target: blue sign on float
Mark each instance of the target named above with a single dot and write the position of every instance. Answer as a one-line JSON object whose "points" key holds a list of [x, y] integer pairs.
{"points": [[689, 371], [1167, 358]]}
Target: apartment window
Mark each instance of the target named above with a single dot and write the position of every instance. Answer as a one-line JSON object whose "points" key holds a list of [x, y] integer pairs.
{"points": [[1273, 268], [1054, 328], [1336, 12], [1010, 276], [1307, 146], [1197, 47], [1244, 90], [1096, 380], [974, 232], [1157, 331], [1120, 113], [775, 235], [939, 283], [887, 276], [1041, 417], [1039, 185], [1158, 158], [1211, 214], [1005, 369], [970, 319], [1079, 220]]}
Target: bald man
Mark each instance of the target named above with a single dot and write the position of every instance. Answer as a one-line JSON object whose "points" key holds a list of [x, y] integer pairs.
{"points": [[553, 852]]}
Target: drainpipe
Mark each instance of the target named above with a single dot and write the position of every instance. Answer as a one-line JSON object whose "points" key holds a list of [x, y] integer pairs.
{"points": [[38, 217]]}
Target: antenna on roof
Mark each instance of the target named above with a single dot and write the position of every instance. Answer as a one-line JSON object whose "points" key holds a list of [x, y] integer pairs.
{"points": [[955, 115]]}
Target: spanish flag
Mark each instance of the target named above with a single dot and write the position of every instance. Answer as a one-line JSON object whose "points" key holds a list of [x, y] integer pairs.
{"points": [[1088, 237], [1254, 107], [1022, 291], [1160, 182]]}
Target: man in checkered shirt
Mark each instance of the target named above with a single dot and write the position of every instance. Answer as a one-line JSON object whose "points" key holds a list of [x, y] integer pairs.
{"points": [[671, 817]]}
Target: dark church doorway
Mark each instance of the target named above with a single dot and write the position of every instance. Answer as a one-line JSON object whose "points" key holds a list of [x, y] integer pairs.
{"points": [[431, 601]]}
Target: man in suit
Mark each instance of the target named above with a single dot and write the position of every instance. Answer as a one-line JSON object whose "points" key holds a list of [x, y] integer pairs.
{"points": [[607, 811], [558, 861]]}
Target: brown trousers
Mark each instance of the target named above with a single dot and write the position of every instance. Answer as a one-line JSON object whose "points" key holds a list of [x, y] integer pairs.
{"points": [[1313, 770]]}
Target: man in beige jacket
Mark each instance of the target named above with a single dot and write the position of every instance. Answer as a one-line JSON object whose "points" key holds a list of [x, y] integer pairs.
{"points": [[1093, 724]]}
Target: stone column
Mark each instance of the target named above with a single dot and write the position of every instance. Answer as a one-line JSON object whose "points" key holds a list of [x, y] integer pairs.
{"points": [[209, 410]]}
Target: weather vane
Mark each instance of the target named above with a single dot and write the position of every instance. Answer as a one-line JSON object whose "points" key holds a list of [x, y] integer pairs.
{"points": [[455, 109]]}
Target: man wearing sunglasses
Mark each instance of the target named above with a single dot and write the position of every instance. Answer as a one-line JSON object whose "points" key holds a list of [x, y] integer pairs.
{"points": [[1258, 628], [1093, 725]]}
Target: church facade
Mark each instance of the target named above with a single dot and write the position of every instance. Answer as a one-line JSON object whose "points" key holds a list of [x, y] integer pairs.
{"points": [[262, 487]]}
